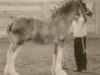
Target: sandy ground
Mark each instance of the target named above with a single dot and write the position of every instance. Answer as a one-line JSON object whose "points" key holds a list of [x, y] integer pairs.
{"points": [[37, 59]]}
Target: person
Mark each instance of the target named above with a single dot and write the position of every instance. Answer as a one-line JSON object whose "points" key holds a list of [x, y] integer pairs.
{"points": [[80, 33]]}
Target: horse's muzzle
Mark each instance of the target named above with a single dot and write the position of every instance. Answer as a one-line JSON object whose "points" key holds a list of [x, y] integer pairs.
{"points": [[89, 13]]}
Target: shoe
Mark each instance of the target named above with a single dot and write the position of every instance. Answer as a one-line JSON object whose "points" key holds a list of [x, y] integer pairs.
{"points": [[64, 67], [78, 70], [84, 69]]}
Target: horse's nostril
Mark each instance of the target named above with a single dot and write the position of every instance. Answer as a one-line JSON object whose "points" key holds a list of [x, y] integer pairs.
{"points": [[89, 13]]}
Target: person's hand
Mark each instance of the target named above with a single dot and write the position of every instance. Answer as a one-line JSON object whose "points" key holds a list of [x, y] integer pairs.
{"points": [[84, 51]]}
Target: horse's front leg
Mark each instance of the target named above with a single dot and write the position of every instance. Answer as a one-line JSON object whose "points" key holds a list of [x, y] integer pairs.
{"points": [[54, 60], [58, 67], [11, 56]]}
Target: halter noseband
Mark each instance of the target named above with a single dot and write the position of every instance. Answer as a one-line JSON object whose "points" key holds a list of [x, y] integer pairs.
{"points": [[84, 12]]}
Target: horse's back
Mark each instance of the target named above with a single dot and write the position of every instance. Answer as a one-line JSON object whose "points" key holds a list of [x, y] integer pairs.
{"points": [[23, 23]]}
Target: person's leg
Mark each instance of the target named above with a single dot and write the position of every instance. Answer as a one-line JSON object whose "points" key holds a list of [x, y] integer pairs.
{"points": [[84, 61], [84, 56], [78, 53]]}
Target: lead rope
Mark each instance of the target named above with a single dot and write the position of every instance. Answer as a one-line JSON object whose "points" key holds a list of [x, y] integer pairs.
{"points": [[84, 49], [82, 8]]}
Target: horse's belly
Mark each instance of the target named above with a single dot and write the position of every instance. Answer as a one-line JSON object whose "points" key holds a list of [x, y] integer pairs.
{"points": [[40, 39]]}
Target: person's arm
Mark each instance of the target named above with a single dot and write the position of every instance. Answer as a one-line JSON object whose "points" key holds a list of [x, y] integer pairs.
{"points": [[71, 30]]}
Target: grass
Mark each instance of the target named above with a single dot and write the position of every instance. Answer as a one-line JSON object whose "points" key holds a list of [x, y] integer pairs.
{"points": [[37, 59]]}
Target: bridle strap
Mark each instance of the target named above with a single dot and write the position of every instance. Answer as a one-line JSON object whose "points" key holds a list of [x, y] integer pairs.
{"points": [[82, 8]]}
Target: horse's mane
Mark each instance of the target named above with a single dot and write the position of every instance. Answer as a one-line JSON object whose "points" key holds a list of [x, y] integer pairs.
{"points": [[64, 9]]}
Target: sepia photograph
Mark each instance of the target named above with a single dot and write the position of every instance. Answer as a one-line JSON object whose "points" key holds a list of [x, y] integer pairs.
{"points": [[49, 37]]}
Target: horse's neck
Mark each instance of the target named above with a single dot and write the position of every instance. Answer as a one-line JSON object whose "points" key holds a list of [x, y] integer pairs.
{"points": [[69, 18], [63, 21]]}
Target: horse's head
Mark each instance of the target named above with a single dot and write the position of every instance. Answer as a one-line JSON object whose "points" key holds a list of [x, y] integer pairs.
{"points": [[84, 8], [71, 8]]}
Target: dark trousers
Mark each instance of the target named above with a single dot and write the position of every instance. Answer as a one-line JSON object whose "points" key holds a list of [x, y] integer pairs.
{"points": [[80, 56]]}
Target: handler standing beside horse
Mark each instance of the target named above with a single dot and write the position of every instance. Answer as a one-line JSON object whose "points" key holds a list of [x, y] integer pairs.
{"points": [[80, 34]]}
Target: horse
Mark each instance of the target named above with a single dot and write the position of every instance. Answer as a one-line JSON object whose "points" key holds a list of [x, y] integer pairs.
{"points": [[23, 29]]}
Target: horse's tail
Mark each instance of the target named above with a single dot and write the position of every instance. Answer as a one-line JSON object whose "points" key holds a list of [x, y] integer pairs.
{"points": [[10, 33], [9, 28]]}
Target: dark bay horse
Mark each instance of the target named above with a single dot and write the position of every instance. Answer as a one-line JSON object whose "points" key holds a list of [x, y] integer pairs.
{"points": [[55, 31]]}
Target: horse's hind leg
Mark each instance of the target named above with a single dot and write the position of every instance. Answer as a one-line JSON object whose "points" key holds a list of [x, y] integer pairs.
{"points": [[11, 56]]}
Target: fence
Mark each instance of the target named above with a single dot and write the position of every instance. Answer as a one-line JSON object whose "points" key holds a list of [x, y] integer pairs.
{"points": [[38, 9]]}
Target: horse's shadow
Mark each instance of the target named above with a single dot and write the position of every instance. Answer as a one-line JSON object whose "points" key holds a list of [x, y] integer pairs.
{"points": [[71, 72]]}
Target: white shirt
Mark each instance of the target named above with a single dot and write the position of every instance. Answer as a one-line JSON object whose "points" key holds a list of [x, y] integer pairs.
{"points": [[79, 27]]}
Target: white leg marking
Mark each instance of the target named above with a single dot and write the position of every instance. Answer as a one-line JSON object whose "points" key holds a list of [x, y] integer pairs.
{"points": [[54, 63], [64, 58], [11, 56], [58, 69]]}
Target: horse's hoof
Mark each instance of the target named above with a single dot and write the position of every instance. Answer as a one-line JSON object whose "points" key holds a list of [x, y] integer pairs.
{"points": [[17, 73], [61, 72], [12, 73]]}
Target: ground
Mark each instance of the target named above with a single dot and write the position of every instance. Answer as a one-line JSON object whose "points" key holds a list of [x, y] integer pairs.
{"points": [[37, 59]]}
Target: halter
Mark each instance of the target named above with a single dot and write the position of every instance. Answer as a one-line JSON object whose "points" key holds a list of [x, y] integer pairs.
{"points": [[83, 8]]}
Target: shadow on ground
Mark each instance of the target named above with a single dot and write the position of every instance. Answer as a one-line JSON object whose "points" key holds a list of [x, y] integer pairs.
{"points": [[37, 60]]}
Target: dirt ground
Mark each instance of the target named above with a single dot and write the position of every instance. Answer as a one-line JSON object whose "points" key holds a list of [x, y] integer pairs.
{"points": [[37, 59]]}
